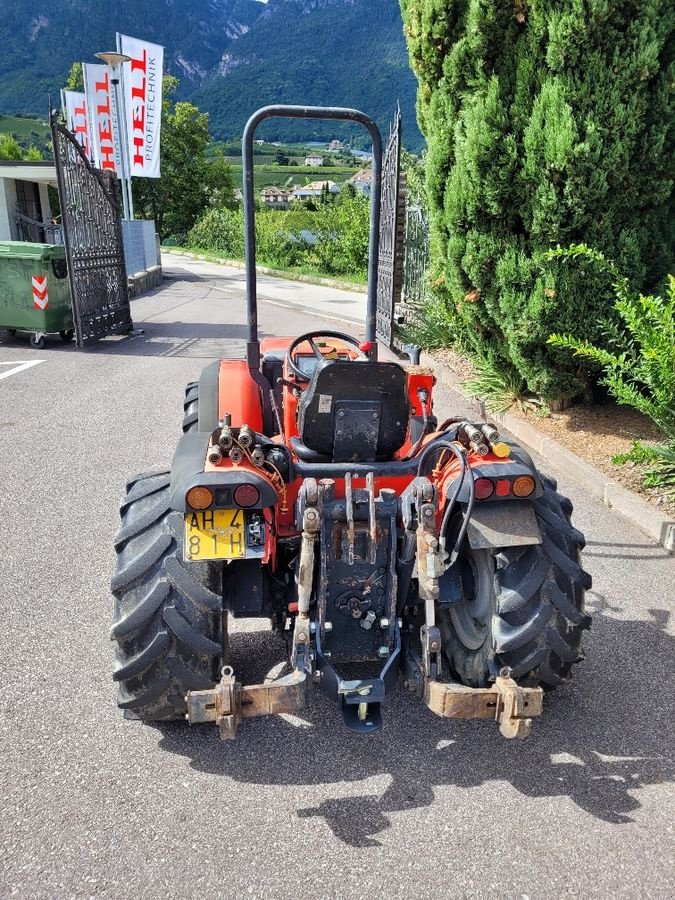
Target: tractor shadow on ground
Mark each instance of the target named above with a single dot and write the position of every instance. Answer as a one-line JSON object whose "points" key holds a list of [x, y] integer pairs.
{"points": [[600, 740]]}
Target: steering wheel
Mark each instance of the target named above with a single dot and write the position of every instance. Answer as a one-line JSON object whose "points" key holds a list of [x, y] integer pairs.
{"points": [[310, 337]]}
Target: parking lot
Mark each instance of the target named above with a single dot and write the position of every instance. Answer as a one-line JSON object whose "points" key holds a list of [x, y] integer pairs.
{"points": [[98, 806]]}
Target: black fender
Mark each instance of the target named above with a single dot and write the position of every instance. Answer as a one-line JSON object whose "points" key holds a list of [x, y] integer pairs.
{"points": [[207, 418], [187, 471]]}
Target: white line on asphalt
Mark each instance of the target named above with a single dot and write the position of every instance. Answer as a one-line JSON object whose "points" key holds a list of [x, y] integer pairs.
{"points": [[19, 366]]}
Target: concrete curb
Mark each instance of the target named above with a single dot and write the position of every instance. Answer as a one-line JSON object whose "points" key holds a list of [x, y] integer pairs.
{"points": [[141, 282], [275, 273], [659, 527]]}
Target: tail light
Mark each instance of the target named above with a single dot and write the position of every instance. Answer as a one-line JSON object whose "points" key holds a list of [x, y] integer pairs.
{"points": [[484, 488], [246, 495], [199, 498], [503, 487], [523, 486]]}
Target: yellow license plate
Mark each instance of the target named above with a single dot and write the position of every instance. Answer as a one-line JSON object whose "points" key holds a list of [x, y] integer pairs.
{"points": [[215, 534]]}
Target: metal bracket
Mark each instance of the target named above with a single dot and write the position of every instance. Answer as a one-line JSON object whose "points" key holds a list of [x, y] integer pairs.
{"points": [[510, 705], [430, 566], [229, 701]]}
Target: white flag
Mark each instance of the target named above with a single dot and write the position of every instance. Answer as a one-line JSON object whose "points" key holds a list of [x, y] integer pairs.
{"points": [[105, 143], [143, 103], [77, 119]]}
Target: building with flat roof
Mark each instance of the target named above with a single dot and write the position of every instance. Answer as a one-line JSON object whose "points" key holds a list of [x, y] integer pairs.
{"points": [[25, 210]]}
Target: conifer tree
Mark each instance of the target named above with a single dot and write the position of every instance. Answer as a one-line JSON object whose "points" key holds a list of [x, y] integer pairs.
{"points": [[547, 123]]}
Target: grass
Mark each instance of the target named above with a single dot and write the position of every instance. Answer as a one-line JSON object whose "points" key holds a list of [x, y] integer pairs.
{"points": [[26, 131], [24, 128]]}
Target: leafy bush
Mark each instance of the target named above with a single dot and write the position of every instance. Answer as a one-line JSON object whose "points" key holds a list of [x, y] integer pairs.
{"points": [[639, 367], [276, 244], [341, 230], [431, 327], [9, 147], [333, 239], [220, 230]]}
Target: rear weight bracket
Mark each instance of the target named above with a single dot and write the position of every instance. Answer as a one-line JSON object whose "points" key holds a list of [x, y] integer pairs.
{"points": [[513, 707], [229, 701]]}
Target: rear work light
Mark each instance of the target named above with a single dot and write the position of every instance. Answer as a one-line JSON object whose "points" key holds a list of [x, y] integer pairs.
{"points": [[503, 487], [523, 486], [484, 488], [246, 495], [199, 498]]}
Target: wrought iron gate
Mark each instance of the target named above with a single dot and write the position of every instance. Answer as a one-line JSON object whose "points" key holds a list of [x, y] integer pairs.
{"points": [[92, 230], [392, 226], [416, 256]]}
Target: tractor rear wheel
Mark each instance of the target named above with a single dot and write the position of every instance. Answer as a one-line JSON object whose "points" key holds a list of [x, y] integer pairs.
{"points": [[191, 407], [524, 606], [169, 625]]}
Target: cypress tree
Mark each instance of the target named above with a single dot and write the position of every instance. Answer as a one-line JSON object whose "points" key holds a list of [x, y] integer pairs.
{"points": [[547, 123]]}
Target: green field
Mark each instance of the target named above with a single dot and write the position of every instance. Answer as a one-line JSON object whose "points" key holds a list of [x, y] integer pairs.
{"points": [[27, 131], [293, 176], [24, 128]]}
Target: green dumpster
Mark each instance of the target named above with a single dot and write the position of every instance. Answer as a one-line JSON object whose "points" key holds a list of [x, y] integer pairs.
{"points": [[34, 291]]}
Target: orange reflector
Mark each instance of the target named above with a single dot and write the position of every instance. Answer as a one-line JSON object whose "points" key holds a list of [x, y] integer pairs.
{"points": [[484, 488], [199, 498], [523, 486], [503, 487]]}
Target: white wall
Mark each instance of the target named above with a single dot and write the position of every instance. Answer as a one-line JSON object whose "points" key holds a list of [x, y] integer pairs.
{"points": [[7, 210]]}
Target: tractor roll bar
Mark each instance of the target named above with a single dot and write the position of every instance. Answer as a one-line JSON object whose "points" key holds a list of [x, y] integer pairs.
{"points": [[307, 112]]}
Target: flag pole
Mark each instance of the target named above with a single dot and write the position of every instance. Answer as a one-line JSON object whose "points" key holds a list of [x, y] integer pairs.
{"points": [[124, 135]]}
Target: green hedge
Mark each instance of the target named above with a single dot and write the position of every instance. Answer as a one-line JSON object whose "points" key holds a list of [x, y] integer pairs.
{"points": [[547, 124]]}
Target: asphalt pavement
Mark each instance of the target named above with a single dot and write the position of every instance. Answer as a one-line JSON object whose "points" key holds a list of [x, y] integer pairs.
{"points": [[94, 805]]}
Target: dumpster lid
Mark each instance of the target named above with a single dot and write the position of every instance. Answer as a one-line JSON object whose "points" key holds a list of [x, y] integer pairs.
{"points": [[27, 250]]}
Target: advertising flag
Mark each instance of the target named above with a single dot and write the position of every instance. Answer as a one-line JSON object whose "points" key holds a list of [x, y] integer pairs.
{"points": [[77, 120], [105, 141], [143, 104]]}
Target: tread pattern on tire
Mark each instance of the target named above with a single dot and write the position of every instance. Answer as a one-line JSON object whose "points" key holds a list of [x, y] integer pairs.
{"points": [[168, 618], [539, 616], [191, 407]]}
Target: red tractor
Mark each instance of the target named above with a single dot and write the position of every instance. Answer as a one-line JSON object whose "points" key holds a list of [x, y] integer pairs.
{"points": [[314, 487]]}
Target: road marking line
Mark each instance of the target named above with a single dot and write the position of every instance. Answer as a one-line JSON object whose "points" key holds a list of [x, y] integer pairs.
{"points": [[19, 366]]}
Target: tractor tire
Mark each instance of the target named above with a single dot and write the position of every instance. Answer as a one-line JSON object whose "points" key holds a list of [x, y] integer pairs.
{"points": [[169, 625], [526, 610], [191, 407]]}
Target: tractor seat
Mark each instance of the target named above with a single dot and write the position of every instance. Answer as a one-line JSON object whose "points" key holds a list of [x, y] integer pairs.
{"points": [[354, 410]]}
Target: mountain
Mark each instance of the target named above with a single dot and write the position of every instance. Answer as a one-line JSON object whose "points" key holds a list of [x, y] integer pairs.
{"points": [[231, 56]]}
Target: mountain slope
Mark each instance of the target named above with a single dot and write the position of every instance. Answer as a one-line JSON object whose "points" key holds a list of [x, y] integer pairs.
{"points": [[336, 53], [231, 56]]}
